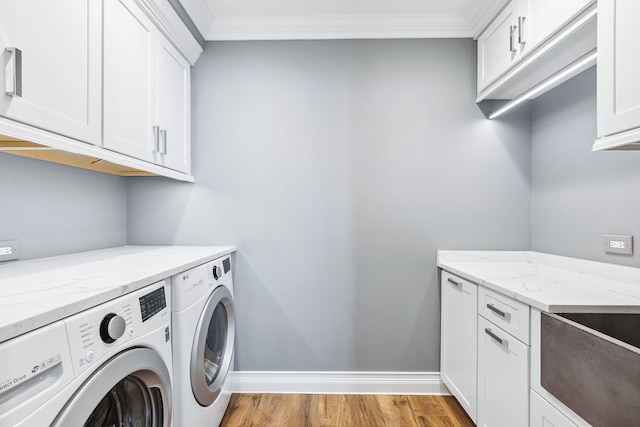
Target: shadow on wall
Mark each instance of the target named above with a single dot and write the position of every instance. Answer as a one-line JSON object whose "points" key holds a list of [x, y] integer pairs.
{"points": [[265, 327], [155, 215]]}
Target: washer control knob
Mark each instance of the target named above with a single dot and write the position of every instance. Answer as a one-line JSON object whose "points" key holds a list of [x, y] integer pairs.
{"points": [[217, 272], [112, 327]]}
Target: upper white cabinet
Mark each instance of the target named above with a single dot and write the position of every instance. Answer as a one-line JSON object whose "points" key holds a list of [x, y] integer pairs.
{"points": [[545, 17], [173, 107], [499, 45], [101, 85], [130, 45], [530, 40], [146, 90], [458, 350], [618, 71], [51, 71]]}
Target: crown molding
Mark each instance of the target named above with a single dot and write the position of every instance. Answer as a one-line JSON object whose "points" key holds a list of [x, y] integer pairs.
{"points": [[170, 24], [337, 27], [200, 14], [484, 14]]}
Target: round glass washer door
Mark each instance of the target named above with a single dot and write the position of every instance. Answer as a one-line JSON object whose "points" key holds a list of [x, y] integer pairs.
{"points": [[132, 389], [213, 346]]}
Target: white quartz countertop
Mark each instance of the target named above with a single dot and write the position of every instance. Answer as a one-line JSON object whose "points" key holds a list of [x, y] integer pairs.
{"points": [[551, 283], [38, 292]]}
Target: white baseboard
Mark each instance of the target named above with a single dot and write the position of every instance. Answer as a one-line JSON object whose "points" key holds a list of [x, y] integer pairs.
{"points": [[336, 382]]}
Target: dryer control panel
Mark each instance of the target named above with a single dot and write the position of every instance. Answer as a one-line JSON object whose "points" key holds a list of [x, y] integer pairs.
{"points": [[191, 286], [103, 330]]}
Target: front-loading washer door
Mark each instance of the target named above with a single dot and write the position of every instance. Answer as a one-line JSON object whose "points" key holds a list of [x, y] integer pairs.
{"points": [[213, 346], [131, 389]]}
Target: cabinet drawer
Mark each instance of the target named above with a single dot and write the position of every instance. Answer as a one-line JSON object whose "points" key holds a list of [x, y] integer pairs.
{"points": [[507, 313], [461, 284], [543, 414]]}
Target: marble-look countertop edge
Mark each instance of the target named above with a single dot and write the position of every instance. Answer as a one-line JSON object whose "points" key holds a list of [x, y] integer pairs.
{"points": [[19, 327], [528, 298]]}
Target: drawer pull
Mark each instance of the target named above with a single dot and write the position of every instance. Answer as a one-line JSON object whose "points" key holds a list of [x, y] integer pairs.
{"points": [[163, 141], [512, 44], [502, 342], [13, 79], [505, 316], [521, 39], [156, 139], [454, 283]]}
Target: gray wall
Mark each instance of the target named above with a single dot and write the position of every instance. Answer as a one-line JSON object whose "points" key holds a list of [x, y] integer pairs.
{"points": [[54, 209], [339, 168], [579, 196]]}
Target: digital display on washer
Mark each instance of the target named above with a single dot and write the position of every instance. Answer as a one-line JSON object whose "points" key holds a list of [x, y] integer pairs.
{"points": [[226, 264], [152, 303]]}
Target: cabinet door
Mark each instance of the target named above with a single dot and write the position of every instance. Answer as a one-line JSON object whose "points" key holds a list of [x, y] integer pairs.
{"points": [[129, 80], [498, 46], [618, 66], [543, 414], [544, 17], [458, 352], [503, 378], [174, 105], [61, 68]]}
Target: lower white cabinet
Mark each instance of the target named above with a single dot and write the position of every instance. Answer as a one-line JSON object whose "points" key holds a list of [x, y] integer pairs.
{"points": [[543, 414], [503, 378], [485, 367], [458, 361]]}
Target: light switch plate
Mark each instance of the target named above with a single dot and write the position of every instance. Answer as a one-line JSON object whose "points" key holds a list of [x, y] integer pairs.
{"points": [[9, 250], [617, 244]]}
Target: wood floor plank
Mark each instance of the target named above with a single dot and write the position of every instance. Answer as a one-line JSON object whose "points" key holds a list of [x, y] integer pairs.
{"points": [[335, 410], [397, 411], [327, 410], [455, 411]]}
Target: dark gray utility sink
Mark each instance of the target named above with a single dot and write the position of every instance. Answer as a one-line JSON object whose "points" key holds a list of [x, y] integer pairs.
{"points": [[594, 375]]}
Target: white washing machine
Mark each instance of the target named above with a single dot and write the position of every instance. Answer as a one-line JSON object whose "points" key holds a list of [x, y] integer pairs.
{"points": [[109, 365], [203, 321]]}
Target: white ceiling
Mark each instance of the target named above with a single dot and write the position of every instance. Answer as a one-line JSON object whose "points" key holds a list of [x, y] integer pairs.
{"points": [[338, 19]]}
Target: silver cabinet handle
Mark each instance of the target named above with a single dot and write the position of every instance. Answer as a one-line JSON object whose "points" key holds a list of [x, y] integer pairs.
{"points": [[504, 315], [454, 283], [502, 341], [13, 80], [521, 39], [512, 44], [163, 141], [156, 139]]}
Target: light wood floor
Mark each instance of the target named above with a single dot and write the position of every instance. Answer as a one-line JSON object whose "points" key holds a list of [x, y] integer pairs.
{"points": [[343, 410]]}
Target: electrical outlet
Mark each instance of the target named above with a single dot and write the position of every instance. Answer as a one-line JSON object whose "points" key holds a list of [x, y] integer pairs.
{"points": [[9, 250], [616, 244]]}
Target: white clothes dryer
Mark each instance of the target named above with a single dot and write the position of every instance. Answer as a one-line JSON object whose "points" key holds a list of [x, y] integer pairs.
{"points": [[109, 365], [203, 321]]}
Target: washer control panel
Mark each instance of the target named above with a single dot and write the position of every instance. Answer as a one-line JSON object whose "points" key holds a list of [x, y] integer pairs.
{"points": [[105, 329]]}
